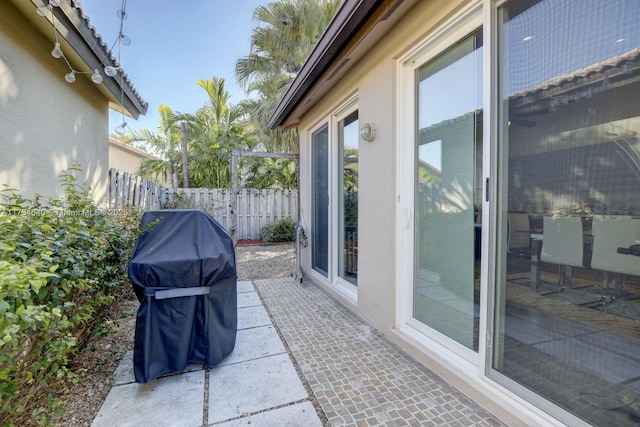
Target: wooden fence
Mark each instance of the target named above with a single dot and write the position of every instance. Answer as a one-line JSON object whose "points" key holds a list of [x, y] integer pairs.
{"points": [[128, 189], [255, 208]]}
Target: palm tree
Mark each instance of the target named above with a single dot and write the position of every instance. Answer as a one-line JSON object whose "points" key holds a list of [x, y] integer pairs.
{"points": [[272, 173], [165, 144], [213, 132], [285, 34]]}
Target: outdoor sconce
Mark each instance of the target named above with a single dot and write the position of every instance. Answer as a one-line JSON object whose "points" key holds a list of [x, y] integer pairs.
{"points": [[368, 132]]}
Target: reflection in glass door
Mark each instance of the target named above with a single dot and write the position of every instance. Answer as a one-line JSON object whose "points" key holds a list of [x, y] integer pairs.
{"points": [[568, 291], [448, 192], [348, 198], [320, 201]]}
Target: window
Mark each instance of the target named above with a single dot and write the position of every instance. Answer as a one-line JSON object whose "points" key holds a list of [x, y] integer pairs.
{"points": [[320, 201], [348, 198], [334, 178], [447, 195], [568, 287]]}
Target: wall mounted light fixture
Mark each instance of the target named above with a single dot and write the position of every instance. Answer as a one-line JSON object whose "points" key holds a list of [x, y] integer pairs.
{"points": [[368, 132]]}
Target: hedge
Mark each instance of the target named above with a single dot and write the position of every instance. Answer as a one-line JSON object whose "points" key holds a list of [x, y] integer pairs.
{"points": [[62, 263]]}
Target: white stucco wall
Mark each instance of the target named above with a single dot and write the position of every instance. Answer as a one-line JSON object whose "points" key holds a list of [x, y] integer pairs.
{"points": [[46, 124]]}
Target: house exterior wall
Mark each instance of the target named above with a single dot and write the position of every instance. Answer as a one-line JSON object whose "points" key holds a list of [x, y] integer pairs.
{"points": [[373, 80], [128, 159], [485, 111], [124, 161], [47, 125]]}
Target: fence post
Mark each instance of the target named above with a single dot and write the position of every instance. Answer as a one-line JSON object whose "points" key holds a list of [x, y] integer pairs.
{"points": [[234, 198], [127, 189]]}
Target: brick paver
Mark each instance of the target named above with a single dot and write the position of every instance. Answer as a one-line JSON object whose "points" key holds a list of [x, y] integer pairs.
{"points": [[357, 376]]}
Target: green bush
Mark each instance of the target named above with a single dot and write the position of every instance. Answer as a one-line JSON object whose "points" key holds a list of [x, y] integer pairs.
{"points": [[62, 263], [280, 231]]}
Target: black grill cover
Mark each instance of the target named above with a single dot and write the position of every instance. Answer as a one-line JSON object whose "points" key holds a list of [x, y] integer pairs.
{"points": [[183, 272]]}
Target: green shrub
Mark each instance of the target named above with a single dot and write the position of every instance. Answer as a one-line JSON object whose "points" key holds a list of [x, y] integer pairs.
{"points": [[62, 263], [280, 231]]}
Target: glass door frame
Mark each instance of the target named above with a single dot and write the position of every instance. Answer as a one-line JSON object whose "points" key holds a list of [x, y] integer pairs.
{"points": [[475, 366], [346, 109], [312, 191], [496, 164], [344, 287], [466, 22]]}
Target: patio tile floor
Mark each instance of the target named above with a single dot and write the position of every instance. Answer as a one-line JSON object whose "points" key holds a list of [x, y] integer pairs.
{"points": [[301, 359], [356, 375]]}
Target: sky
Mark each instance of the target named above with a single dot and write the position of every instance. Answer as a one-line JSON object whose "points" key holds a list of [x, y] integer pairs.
{"points": [[173, 45]]}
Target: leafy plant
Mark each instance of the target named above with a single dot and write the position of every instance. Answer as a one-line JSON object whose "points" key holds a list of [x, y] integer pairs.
{"points": [[62, 262], [279, 231]]}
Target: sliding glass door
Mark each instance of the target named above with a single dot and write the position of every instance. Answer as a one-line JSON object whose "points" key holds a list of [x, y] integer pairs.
{"points": [[334, 201], [448, 165], [348, 198], [320, 201], [568, 288]]}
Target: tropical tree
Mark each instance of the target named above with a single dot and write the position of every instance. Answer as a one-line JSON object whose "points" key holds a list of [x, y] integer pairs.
{"points": [[199, 144], [166, 144], [214, 131], [272, 173], [285, 33]]}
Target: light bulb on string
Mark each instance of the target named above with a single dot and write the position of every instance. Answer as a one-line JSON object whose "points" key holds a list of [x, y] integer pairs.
{"points": [[71, 77], [120, 130], [56, 52], [124, 39], [122, 14], [96, 77], [110, 71]]}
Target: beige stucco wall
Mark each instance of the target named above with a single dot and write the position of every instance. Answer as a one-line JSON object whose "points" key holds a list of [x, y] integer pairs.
{"points": [[126, 160], [374, 81], [46, 124]]}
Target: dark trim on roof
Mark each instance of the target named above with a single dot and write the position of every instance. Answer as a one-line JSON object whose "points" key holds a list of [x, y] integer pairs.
{"points": [[351, 16]]}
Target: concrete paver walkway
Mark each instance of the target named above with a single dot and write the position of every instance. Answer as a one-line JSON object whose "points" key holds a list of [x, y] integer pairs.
{"points": [[301, 359], [255, 385]]}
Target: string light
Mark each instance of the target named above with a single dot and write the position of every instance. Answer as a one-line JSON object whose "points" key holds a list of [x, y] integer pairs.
{"points": [[109, 70], [96, 77], [71, 77], [57, 52], [126, 41], [120, 130]]}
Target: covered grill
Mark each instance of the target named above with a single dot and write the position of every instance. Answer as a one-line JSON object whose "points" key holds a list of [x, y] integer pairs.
{"points": [[183, 272]]}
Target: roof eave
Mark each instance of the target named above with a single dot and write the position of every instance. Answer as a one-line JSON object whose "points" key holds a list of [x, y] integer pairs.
{"points": [[347, 21], [74, 27]]}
